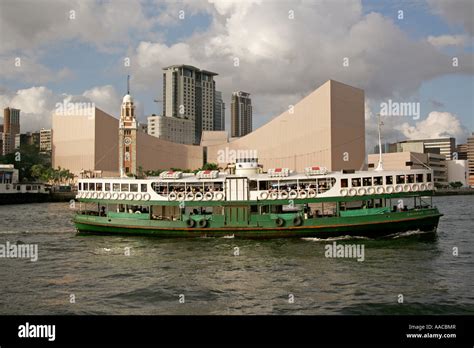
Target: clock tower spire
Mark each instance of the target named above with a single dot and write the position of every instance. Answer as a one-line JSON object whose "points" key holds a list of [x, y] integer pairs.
{"points": [[128, 135]]}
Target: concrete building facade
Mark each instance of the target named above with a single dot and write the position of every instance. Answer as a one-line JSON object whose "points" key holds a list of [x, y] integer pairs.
{"points": [[175, 129], [241, 114], [219, 112], [470, 158], [45, 141], [188, 92], [11, 127], [446, 146], [458, 171]]}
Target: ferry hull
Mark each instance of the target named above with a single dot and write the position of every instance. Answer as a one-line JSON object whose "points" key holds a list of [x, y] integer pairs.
{"points": [[368, 226]]}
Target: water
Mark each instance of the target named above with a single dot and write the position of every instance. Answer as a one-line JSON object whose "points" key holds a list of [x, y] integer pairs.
{"points": [[96, 273]]}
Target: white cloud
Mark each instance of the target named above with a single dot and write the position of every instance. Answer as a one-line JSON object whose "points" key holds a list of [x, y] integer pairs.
{"points": [[447, 40], [105, 98], [455, 12], [436, 125]]}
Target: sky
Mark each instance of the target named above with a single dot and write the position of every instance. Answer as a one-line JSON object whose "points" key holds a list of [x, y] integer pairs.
{"points": [[398, 52]]}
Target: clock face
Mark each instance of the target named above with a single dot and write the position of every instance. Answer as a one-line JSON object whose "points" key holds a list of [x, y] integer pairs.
{"points": [[127, 141]]}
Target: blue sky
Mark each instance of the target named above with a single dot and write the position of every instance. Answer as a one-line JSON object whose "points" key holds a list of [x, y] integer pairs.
{"points": [[66, 57]]}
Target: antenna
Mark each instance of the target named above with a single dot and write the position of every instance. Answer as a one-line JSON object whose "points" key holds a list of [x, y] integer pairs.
{"points": [[380, 164], [128, 84]]}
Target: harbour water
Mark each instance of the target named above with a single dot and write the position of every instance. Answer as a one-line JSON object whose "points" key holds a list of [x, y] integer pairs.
{"points": [[80, 274]]}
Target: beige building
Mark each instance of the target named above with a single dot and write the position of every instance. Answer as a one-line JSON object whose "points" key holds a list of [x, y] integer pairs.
{"points": [[188, 93], [326, 128], [458, 171], [443, 146], [11, 127], [470, 158], [175, 129], [413, 160]]}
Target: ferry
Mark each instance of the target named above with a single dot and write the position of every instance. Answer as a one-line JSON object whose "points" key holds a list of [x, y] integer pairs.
{"points": [[249, 203]]}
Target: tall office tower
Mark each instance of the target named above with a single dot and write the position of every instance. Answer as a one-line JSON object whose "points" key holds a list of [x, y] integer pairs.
{"points": [[45, 140], [219, 112], [470, 159], [461, 150], [188, 93], [11, 127], [241, 114], [128, 137]]}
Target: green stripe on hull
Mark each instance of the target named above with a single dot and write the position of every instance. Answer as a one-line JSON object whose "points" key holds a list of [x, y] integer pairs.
{"points": [[371, 226]]}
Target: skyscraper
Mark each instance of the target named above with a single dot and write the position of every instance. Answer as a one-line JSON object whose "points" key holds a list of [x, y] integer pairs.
{"points": [[188, 93], [11, 127], [241, 114], [219, 112], [470, 159]]}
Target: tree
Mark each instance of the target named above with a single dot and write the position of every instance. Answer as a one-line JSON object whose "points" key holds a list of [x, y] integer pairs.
{"points": [[456, 184]]}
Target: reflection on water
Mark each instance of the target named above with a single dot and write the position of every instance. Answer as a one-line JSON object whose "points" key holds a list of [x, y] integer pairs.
{"points": [[104, 280]]}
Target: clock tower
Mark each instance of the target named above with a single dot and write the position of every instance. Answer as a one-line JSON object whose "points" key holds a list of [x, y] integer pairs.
{"points": [[128, 137]]}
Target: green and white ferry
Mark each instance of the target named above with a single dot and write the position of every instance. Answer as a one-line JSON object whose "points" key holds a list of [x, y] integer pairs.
{"points": [[248, 203]]}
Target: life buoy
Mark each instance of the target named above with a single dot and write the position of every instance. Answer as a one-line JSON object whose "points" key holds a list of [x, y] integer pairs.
{"points": [[415, 187], [297, 221], [389, 189], [115, 195], [202, 223], [130, 196], [198, 196], [138, 212], [407, 188], [100, 195], [344, 192], [284, 194], [180, 196], [352, 192], [107, 195], [264, 195], [88, 195], [380, 190], [429, 186], [371, 190], [422, 187], [190, 223], [361, 191], [312, 193], [122, 196], [280, 222], [146, 196], [293, 194], [138, 196], [208, 196], [94, 195], [398, 188], [274, 195], [78, 196], [219, 196], [172, 196], [302, 194]]}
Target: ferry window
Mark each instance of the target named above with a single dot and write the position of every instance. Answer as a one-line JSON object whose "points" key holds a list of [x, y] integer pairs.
{"points": [[367, 181], [99, 186], [91, 186], [253, 185], [28, 188], [80, 186], [378, 180], [143, 187], [133, 187], [116, 187], [400, 179], [355, 182], [107, 187], [419, 177], [344, 183], [124, 188], [389, 180], [410, 178], [428, 177], [263, 185], [86, 186]]}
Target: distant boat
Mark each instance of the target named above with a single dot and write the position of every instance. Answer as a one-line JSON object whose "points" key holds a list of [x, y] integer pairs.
{"points": [[251, 204]]}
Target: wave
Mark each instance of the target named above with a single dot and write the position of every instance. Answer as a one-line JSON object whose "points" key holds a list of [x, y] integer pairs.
{"points": [[330, 239]]}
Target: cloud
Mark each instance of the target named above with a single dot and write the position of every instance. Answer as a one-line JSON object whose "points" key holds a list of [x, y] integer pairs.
{"points": [[436, 125], [27, 69], [447, 40], [38, 103], [455, 12]]}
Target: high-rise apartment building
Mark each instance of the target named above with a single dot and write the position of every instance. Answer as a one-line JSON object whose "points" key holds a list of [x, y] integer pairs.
{"points": [[219, 112], [461, 151], [241, 114], [45, 140], [188, 93], [11, 127]]}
